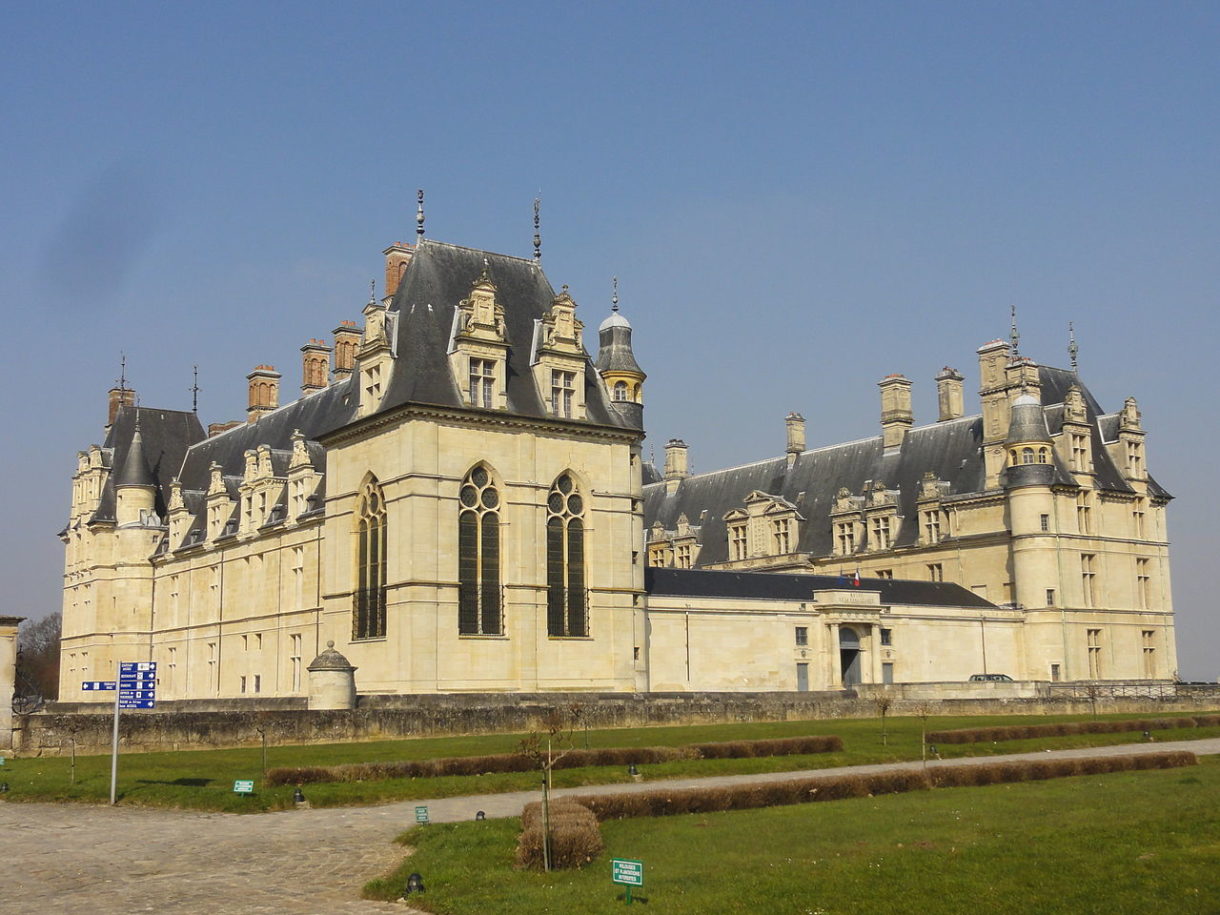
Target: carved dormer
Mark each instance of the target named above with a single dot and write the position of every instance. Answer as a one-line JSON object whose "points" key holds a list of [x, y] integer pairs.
{"points": [[1076, 442], [686, 543], [1130, 448], [660, 546], [847, 523], [302, 478], [768, 526], [478, 351], [179, 515], [933, 519], [375, 356], [218, 505], [558, 359], [881, 516]]}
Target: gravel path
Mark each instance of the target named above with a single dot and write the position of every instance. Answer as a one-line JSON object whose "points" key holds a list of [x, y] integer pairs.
{"points": [[103, 860]]}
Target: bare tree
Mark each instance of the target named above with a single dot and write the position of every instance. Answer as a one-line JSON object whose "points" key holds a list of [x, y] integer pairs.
{"points": [[546, 747], [38, 657], [883, 703]]}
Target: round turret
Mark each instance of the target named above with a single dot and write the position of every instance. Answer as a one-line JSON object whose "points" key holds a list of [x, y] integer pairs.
{"points": [[616, 364], [1030, 460]]}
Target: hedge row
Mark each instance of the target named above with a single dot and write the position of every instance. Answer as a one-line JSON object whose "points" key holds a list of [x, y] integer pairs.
{"points": [[662, 802], [576, 838], [1068, 728], [572, 759]]}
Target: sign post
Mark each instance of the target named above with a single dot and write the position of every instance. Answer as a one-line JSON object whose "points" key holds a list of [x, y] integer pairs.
{"points": [[628, 873], [137, 688], [421, 814]]}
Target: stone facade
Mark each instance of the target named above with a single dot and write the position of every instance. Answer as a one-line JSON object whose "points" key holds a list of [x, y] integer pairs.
{"points": [[457, 502]]}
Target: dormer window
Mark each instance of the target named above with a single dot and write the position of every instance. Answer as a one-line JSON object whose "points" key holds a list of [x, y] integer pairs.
{"points": [[620, 391], [737, 540], [563, 386], [482, 383]]}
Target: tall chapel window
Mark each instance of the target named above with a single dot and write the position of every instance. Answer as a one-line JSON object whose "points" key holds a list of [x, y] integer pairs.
{"points": [[368, 614], [479, 599], [567, 612]]}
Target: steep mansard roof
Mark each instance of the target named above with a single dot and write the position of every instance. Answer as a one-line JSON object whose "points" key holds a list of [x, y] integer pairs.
{"points": [[950, 450], [794, 586], [440, 276], [166, 435]]}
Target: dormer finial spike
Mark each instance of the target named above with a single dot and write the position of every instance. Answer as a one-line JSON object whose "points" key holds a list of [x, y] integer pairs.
{"points": [[195, 389], [122, 371], [419, 215], [537, 230], [1073, 349], [1014, 335], [614, 298], [372, 291]]}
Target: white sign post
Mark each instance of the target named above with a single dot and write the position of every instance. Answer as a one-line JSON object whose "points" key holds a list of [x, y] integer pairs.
{"points": [[137, 688]]}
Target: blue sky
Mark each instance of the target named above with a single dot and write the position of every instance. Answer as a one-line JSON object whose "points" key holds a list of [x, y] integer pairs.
{"points": [[797, 198]]}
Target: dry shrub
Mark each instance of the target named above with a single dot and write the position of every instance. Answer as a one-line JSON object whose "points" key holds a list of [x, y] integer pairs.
{"points": [[575, 837], [778, 746], [1207, 721], [298, 775], [1063, 729]]}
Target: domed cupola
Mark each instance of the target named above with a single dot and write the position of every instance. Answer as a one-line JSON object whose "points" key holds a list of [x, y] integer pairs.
{"points": [[1028, 445], [616, 363]]}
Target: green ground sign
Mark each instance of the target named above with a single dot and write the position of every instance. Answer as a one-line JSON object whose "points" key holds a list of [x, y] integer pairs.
{"points": [[421, 814], [627, 872], [243, 786]]}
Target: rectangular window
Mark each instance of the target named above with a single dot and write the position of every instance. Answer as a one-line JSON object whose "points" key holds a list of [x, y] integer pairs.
{"points": [[1148, 637], [1143, 584], [1088, 578], [802, 677], [1044, 522], [296, 662], [243, 684], [1055, 675], [885, 573], [563, 386], [887, 636], [245, 643], [881, 533], [936, 571], [1137, 517], [1084, 520], [781, 537], [802, 635], [482, 383], [887, 672], [684, 556], [1080, 452], [298, 578], [931, 525], [1093, 638], [1135, 459], [847, 537], [737, 536], [258, 683], [1050, 597]]}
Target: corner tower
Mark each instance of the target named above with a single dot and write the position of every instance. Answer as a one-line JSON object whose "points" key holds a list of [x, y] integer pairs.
{"points": [[616, 363]]}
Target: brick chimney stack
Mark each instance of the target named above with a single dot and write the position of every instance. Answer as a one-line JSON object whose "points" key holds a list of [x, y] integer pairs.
{"points": [[347, 341], [119, 397], [315, 366], [397, 256], [264, 391]]}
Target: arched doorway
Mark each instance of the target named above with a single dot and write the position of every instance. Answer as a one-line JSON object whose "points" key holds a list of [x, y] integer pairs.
{"points": [[849, 656]]}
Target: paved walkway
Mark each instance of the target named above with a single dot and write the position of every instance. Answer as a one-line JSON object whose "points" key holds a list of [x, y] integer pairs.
{"points": [[111, 860]]}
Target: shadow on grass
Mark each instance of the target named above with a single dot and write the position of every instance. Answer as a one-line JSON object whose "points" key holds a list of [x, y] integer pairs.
{"points": [[179, 782]]}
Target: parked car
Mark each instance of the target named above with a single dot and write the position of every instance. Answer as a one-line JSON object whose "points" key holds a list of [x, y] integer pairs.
{"points": [[1004, 678]]}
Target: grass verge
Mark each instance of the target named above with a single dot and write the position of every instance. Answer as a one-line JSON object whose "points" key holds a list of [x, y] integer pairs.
{"points": [[203, 779], [1126, 842]]}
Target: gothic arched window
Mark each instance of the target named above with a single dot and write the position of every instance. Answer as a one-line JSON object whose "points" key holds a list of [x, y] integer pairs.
{"points": [[368, 612], [1027, 455], [566, 608], [479, 555], [620, 390]]}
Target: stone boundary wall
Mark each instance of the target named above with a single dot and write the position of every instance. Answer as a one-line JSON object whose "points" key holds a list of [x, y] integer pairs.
{"points": [[242, 723]]}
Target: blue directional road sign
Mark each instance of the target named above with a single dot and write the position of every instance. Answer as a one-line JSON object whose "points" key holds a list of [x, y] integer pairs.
{"points": [[137, 684], [90, 685]]}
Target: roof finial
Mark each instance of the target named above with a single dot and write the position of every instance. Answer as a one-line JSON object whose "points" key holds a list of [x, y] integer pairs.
{"points": [[372, 291], [1073, 349], [537, 231], [614, 298], [195, 390], [1014, 335], [419, 215], [122, 371]]}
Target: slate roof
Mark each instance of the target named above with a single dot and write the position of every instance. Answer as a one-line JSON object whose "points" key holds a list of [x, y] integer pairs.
{"points": [[796, 587], [440, 276], [165, 437], [951, 450]]}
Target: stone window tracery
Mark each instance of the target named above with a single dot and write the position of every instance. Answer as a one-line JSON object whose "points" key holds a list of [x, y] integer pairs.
{"points": [[369, 610], [567, 606], [479, 590]]}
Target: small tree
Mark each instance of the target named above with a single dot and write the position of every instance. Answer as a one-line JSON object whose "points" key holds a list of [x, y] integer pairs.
{"points": [[546, 747], [883, 703], [923, 710]]}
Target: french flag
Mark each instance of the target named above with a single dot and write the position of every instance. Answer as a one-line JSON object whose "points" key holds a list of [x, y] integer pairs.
{"points": [[856, 579]]}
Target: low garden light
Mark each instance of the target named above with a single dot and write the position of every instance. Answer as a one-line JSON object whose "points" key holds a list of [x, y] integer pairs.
{"points": [[415, 884], [298, 796], [932, 749], [1147, 735], [480, 815], [3, 787], [632, 770]]}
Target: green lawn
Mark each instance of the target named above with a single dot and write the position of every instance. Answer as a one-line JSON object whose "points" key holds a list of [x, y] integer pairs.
{"points": [[1124, 843], [203, 779]]}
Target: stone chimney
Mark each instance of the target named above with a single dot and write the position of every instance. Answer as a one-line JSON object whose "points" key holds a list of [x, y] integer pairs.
{"points": [[315, 366], [264, 391], [676, 467], [796, 435], [896, 417], [397, 256], [119, 397], [347, 341], [949, 394]]}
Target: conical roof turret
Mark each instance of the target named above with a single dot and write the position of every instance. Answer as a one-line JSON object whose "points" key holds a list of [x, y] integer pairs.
{"points": [[135, 470], [1028, 423]]}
